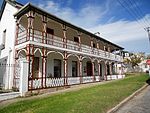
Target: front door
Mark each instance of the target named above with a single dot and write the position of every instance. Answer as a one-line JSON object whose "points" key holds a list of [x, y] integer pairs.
{"points": [[36, 67], [57, 68], [108, 69], [101, 70], [74, 68], [89, 69]]}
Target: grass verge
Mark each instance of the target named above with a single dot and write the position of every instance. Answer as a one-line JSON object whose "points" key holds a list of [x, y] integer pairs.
{"points": [[96, 99]]}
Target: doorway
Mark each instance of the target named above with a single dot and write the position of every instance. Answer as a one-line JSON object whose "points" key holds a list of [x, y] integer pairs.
{"points": [[74, 69], [89, 68], [36, 67], [57, 68]]}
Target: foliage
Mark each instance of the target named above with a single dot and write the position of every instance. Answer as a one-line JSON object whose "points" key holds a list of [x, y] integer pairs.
{"points": [[134, 59], [94, 99]]}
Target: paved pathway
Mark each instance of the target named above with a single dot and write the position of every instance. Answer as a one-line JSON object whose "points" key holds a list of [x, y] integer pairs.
{"points": [[139, 104]]}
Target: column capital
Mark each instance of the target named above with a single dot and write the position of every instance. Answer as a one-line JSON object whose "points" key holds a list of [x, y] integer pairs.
{"points": [[65, 59], [79, 33], [30, 14], [80, 60], [44, 56], [44, 19], [64, 27]]}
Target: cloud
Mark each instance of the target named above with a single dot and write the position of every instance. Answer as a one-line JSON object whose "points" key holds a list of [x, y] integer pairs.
{"points": [[88, 15], [100, 17], [122, 30]]}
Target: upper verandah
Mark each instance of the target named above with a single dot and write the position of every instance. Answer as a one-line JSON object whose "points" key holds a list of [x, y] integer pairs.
{"points": [[30, 7]]}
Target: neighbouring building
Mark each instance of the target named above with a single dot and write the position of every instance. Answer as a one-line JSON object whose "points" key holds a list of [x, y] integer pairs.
{"points": [[144, 67], [55, 52]]}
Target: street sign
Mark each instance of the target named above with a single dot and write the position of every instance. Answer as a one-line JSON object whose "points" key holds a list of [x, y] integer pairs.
{"points": [[148, 62]]}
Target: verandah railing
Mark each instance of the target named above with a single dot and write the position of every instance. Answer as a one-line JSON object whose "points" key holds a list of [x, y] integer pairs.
{"points": [[53, 40], [48, 82]]}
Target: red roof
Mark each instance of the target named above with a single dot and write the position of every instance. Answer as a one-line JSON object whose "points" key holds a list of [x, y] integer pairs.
{"points": [[148, 62]]}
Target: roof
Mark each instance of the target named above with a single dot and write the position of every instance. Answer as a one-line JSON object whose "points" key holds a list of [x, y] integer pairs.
{"points": [[13, 3], [30, 6]]}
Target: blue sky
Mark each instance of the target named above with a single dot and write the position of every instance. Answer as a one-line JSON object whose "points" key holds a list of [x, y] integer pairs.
{"points": [[109, 17]]}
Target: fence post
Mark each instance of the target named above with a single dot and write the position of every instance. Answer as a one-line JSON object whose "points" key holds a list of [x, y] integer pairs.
{"points": [[23, 77]]}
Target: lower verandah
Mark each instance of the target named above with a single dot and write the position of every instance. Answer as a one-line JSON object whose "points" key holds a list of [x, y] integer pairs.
{"points": [[77, 71]]}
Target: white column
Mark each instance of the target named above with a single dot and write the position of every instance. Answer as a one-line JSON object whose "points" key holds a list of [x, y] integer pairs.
{"points": [[65, 73], [23, 77]]}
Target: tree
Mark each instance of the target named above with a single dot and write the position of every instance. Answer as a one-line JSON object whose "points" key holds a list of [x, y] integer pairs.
{"points": [[134, 59]]}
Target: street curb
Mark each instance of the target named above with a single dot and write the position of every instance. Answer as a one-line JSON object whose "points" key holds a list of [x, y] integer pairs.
{"points": [[114, 109]]}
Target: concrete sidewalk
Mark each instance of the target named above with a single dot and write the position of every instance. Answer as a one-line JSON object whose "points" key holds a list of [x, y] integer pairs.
{"points": [[10, 95], [139, 104]]}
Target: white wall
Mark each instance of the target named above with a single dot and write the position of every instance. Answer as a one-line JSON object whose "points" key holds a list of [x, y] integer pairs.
{"points": [[144, 66], [8, 22]]}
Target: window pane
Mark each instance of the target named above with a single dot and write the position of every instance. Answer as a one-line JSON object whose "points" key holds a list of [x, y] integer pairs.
{"points": [[76, 39], [4, 37]]}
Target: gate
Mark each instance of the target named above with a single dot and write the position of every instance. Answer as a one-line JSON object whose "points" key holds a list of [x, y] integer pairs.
{"points": [[17, 70]]}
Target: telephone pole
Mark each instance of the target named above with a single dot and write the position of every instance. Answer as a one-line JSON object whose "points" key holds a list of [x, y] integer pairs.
{"points": [[147, 29]]}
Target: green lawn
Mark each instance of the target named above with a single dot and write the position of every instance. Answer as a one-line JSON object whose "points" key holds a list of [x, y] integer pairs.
{"points": [[95, 99]]}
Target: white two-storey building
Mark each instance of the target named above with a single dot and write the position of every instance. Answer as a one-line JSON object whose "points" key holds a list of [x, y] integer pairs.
{"points": [[58, 53]]}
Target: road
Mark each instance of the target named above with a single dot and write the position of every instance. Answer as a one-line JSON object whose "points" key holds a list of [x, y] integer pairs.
{"points": [[139, 104]]}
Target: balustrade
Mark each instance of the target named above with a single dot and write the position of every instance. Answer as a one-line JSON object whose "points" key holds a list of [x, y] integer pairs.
{"points": [[49, 39], [73, 80]]}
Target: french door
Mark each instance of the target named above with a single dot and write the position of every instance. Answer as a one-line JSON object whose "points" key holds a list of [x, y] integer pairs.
{"points": [[57, 68], [89, 68], [74, 69], [36, 67]]}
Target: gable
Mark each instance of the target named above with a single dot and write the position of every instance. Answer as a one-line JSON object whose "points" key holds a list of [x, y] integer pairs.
{"points": [[12, 3], [2, 8]]}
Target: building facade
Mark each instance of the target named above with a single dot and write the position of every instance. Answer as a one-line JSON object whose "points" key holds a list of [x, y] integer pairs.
{"points": [[58, 53]]}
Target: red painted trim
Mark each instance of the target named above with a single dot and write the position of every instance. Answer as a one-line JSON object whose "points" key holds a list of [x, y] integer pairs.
{"points": [[45, 68], [80, 72], [66, 72], [42, 66], [32, 56]]}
